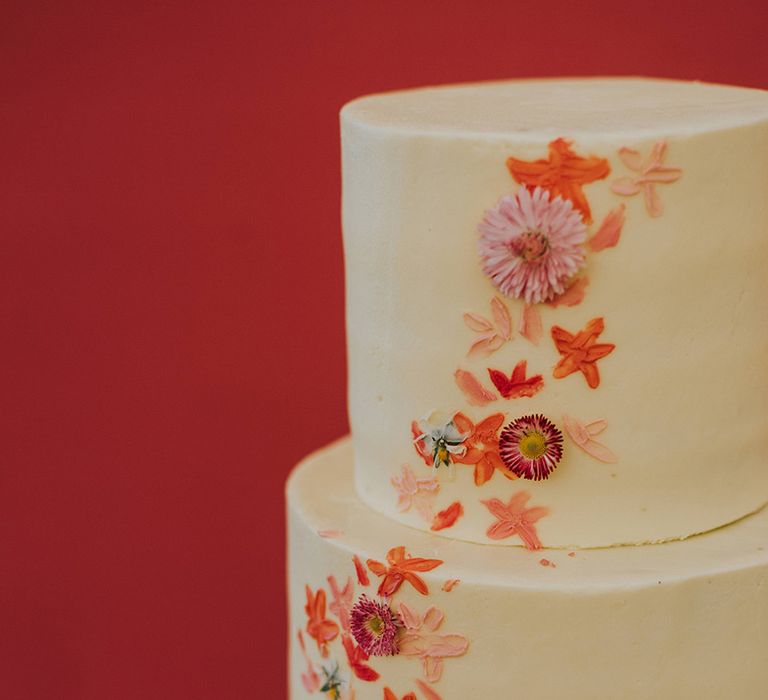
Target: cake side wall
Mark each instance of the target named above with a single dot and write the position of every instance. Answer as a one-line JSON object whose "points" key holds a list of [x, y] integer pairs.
{"points": [[682, 296]]}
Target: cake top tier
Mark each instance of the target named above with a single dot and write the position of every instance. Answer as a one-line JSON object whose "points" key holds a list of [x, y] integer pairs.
{"points": [[556, 300], [534, 109]]}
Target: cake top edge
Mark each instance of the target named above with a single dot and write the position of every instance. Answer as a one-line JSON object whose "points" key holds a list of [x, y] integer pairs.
{"points": [[531, 109]]}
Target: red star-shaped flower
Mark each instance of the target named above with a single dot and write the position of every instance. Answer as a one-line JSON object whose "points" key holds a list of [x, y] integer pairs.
{"points": [[581, 352], [562, 173]]}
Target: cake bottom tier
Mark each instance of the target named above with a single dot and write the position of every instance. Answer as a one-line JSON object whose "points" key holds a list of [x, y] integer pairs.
{"points": [[677, 621]]}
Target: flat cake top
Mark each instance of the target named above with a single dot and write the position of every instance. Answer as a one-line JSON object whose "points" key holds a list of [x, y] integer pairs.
{"points": [[572, 105]]}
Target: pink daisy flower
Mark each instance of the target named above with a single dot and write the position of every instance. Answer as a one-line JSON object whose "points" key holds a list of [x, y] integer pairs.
{"points": [[530, 246], [375, 627], [531, 447]]}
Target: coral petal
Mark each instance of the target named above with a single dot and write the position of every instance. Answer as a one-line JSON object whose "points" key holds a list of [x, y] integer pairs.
{"points": [[625, 186], [573, 295], [608, 234], [475, 393], [530, 324], [362, 574], [429, 693], [446, 518], [477, 323]]}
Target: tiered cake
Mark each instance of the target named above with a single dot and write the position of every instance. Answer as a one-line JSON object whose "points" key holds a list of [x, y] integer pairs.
{"points": [[557, 333]]}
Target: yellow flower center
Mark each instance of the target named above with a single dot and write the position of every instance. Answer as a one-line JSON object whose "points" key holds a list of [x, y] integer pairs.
{"points": [[376, 625], [442, 454], [533, 445]]}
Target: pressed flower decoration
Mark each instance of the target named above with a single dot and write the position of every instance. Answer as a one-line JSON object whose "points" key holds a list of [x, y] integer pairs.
{"points": [[333, 684], [447, 517], [357, 657], [491, 334], [422, 640], [390, 695], [362, 574], [531, 447], [438, 441], [309, 679], [483, 446], [401, 568], [517, 385], [531, 245], [319, 628], [584, 436], [581, 351], [475, 393], [375, 627], [514, 519], [651, 171], [413, 492], [342, 600], [562, 173]]}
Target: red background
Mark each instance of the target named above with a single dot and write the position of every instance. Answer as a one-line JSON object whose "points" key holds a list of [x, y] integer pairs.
{"points": [[171, 298]]}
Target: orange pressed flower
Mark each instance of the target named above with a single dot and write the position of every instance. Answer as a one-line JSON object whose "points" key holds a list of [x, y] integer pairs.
{"points": [[401, 568], [318, 627], [580, 352], [389, 695], [482, 446], [561, 173]]}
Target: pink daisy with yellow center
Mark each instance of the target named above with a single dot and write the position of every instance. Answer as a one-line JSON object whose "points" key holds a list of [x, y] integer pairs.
{"points": [[531, 245], [375, 627], [531, 447]]}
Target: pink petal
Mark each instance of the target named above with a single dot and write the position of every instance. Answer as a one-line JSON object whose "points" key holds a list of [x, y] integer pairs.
{"points": [[497, 508], [330, 534], [432, 618], [445, 646], [573, 295], [530, 324], [410, 619], [529, 537], [631, 158], [596, 426], [626, 186], [600, 452], [477, 322], [429, 693], [665, 175], [502, 318], [450, 584], [485, 344], [501, 530], [658, 152], [433, 669], [475, 392], [609, 232], [652, 200], [576, 430]]}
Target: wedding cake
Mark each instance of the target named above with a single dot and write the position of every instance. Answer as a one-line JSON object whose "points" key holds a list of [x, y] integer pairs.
{"points": [[558, 394]]}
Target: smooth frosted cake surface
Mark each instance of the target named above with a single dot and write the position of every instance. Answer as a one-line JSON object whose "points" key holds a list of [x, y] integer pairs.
{"points": [[583, 106], [640, 346]]}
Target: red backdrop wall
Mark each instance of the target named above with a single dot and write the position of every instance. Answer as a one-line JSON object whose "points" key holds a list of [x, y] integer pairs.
{"points": [[171, 298]]}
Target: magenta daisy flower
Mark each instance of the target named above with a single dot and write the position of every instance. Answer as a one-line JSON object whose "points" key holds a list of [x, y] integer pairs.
{"points": [[531, 447], [531, 245], [375, 627]]}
